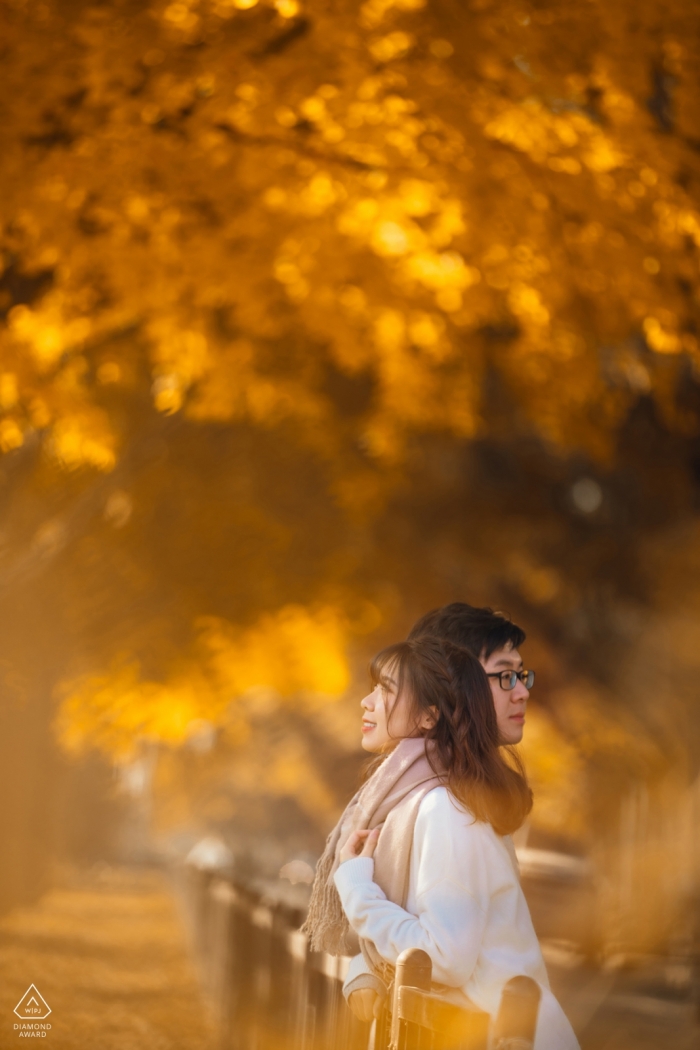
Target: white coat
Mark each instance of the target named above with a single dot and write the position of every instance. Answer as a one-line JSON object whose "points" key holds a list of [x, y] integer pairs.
{"points": [[465, 908]]}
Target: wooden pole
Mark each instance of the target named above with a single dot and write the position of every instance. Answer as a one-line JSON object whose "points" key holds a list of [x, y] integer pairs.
{"points": [[413, 968], [517, 1015]]}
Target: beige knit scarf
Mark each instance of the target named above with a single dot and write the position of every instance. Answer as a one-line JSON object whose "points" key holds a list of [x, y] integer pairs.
{"points": [[389, 799]]}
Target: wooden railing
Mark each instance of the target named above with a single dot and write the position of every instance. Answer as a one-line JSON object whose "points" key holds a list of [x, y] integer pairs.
{"points": [[422, 1020], [268, 991]]}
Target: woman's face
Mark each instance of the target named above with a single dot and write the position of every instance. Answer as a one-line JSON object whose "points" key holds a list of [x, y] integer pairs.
{"points": [[388, 718]]}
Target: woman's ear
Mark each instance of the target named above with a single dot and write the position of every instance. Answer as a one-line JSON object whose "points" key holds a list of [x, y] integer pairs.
{"points": [[429, 717]]}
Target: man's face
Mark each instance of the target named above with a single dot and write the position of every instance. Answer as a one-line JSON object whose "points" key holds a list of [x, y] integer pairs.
{"points": [[510, 704]]}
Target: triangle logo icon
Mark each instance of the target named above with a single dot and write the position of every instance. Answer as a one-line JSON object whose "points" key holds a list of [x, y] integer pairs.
{"points": [[32, 1006]]}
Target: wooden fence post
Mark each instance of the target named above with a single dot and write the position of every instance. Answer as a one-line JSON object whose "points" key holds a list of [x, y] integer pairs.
{"points": [[269, 990], [413, 968], [517, 1015]]}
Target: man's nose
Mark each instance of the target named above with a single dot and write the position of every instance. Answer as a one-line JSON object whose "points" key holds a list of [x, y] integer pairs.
{"points": [[520, 692]]}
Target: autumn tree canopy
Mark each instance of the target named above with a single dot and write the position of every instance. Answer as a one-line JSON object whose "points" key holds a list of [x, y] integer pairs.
{"points": [[415, 194], [317, 313]]}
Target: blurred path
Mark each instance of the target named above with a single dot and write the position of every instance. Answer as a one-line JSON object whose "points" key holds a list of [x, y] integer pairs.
{"points": [[108, 954], [622, 1010]]}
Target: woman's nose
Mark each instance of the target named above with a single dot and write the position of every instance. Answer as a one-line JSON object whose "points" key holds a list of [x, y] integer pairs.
{"points": [[367, 703]]}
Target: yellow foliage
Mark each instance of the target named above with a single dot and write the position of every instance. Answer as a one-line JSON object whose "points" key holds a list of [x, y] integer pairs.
{"points": [[534, 130], [8, 390], [113, 712], [84, 439], [295, 652], [277, 201], [47, 335], [396, 44], [10, 435], [291, 651]]}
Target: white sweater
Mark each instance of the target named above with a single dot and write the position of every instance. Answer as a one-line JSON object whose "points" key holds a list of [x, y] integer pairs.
{"points": [[465, 908]]}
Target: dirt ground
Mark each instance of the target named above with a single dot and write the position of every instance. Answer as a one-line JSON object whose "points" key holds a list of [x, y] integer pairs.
{"points": [[107, 952], [625, 1009]]}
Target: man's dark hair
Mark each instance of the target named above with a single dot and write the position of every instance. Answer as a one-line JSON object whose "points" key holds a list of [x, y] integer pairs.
{"points": [[481, 631]]}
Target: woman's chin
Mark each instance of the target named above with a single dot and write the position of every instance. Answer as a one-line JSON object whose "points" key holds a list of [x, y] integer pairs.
{"points": [[373, 746]]}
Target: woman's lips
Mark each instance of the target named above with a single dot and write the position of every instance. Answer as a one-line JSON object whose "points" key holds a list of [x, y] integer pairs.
{"points": [[517, 718], [367, 727]]}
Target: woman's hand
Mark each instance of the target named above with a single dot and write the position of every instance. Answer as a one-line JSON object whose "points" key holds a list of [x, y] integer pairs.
{"points": [[360, 844], [365, 1004]]}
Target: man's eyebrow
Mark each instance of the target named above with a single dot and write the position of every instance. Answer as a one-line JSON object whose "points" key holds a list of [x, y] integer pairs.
{"points": [[509, 661]]}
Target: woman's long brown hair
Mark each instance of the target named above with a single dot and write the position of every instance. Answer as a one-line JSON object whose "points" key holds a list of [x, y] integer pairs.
{"points": [[436, 674]]}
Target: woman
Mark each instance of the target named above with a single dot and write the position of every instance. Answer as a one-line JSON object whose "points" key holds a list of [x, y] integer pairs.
{"points": [[421, 857]]}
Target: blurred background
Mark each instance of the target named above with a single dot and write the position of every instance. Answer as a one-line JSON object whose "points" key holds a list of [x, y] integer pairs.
{"points": [[315, 315]]}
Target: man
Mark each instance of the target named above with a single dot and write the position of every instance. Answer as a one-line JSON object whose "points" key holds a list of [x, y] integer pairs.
{"points": [[495, 641]]}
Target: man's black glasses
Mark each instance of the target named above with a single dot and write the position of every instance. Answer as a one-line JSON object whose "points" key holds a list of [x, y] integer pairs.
{"points": [[509, 678]]}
